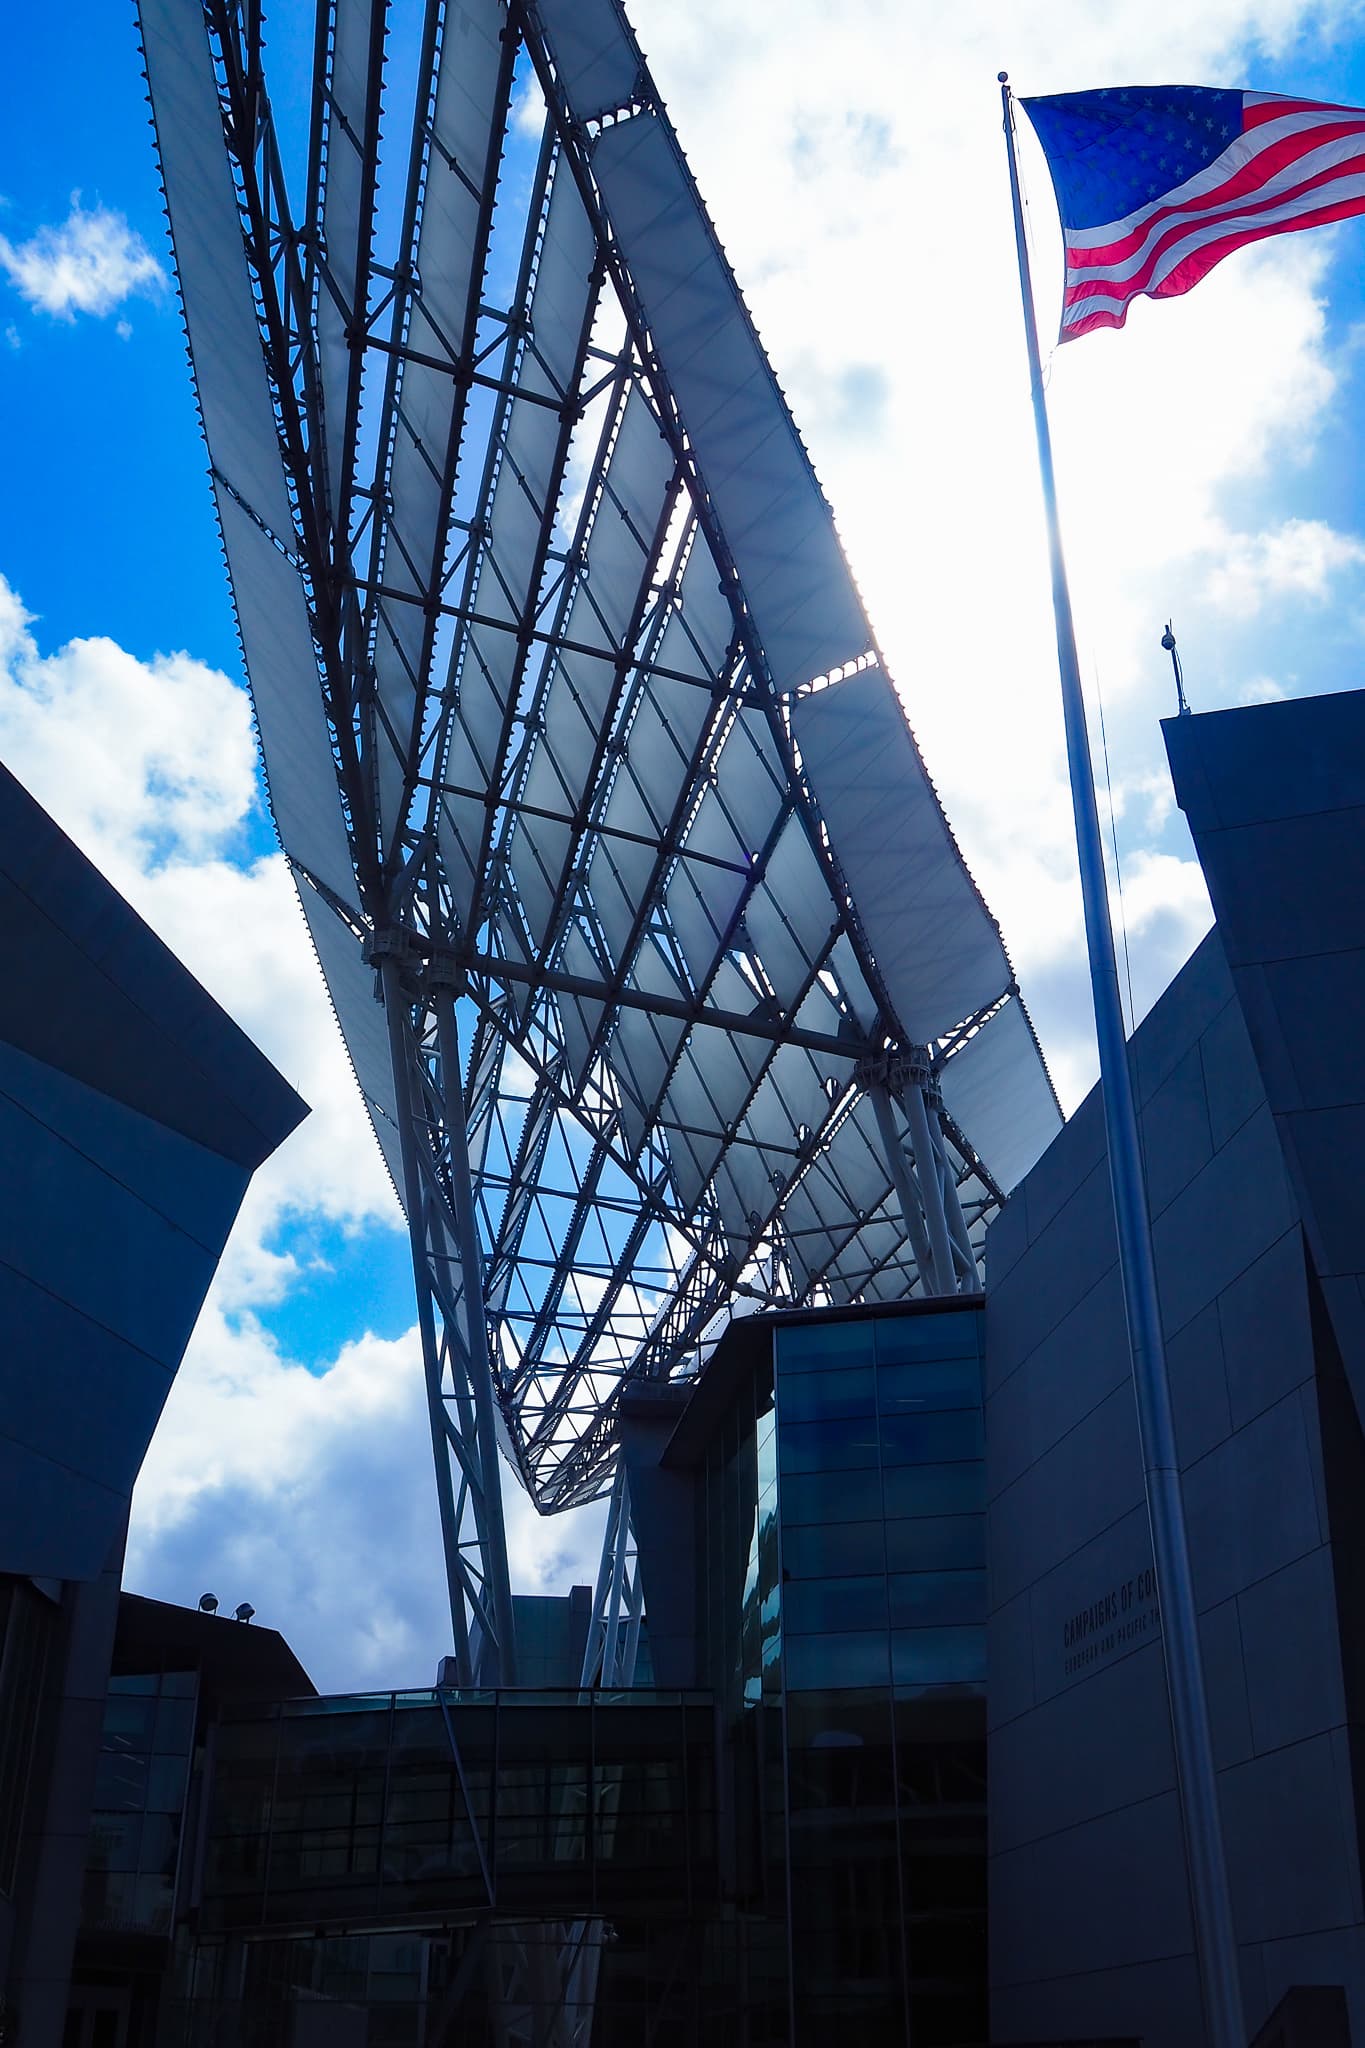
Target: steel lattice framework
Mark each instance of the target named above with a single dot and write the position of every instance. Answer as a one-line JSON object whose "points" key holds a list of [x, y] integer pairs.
{"points": [[659, 969]]}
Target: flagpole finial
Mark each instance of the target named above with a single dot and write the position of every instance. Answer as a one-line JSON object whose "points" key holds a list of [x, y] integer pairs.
{"points": [[1003, 77]]}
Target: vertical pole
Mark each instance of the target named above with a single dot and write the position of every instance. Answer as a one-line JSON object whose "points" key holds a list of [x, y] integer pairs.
{"points": [[610, 1655], [898, 1166], [593, 1648], [1214, 1930], [952, 1206], [501, 1669], [926, 1173], [414, 1195]]}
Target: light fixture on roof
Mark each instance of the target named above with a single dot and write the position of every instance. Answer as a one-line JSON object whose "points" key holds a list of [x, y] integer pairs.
{"points": [[244, 1612], [208, 1603]]}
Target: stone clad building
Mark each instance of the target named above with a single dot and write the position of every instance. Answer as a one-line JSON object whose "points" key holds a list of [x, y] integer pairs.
{"points": [[1251, 1084]]}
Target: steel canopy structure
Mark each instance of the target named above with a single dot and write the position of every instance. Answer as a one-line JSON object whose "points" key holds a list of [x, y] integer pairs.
{"points": [[659, 969]]}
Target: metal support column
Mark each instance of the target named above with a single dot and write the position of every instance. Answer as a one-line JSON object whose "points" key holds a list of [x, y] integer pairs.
{"points": [[952, 1206], [617, 1608], [459, 1384], [414, 1201], [479, 1364], [926, 1174], [898, 1165]]}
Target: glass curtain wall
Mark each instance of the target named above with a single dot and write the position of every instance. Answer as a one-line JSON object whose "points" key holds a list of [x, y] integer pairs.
{"points": [[140, 1789], [882, 1597]]}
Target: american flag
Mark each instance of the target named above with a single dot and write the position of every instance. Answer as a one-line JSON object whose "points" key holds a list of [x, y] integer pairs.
{"points": [[1156, 184]]}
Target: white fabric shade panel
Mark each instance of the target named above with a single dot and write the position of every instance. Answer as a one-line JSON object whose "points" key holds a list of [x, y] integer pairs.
{"points": [[526, 478], [586, 578], [347, 223], [756, 473], [229, 369], [937, 948], [359, 1012], [996, 1088], [277, 644]]}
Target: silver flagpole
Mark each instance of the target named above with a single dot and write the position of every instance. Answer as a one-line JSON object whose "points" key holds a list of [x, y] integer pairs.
{"points": [[1215, 1935]]}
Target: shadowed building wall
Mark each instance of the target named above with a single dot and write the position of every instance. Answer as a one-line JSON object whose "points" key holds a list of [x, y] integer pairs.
{"points": [[133, 1113], [1248, 1078]]}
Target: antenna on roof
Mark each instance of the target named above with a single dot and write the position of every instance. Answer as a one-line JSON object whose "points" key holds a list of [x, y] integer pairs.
{"points": [[1168, 642]]}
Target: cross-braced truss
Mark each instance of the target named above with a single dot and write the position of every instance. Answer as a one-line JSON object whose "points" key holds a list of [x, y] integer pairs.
{"points": [[576, 734]]}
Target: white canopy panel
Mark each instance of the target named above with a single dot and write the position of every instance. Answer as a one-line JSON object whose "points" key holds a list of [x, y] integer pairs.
{"points": [[534, 579], [277, 644], [756, 473], [360, 1013], [937, 947], [229, 368], [996, 1088]]}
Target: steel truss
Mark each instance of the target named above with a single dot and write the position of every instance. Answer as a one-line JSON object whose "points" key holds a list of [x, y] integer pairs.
{"points": [[543, 614]]}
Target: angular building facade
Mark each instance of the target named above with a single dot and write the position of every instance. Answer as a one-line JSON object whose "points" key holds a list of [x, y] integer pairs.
{"points": [[133, 1113], [1251, 1083]]}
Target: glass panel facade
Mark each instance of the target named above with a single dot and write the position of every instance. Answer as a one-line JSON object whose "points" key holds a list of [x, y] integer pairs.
{"points": [[140, 1789], [793, 1858], [397, 1806], [882, 1599], [737, 1566]]}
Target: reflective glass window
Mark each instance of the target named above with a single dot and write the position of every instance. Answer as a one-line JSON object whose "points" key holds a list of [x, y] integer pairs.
{"points": [[932, 1438], [920, 1599], [821, 1396], [825, 1497], [174, 1726], [845, 1444], [939, 1656], [130, 1721], [814, 1606], [805, 1347], [933, 1489], [939, 1383], [836, 1549], [954, 1334], [834, 1660], [121, 1783], [936, 1543]]}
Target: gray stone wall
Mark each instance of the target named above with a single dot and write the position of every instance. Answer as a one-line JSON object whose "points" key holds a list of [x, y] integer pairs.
{"points": [[1090, 1922]]}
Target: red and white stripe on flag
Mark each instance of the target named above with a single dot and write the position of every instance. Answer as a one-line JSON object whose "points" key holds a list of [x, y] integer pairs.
{"points": [[1296, 164]]}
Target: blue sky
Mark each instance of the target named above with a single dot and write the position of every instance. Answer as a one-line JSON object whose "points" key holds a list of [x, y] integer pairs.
{"points": [[1210, 467]]}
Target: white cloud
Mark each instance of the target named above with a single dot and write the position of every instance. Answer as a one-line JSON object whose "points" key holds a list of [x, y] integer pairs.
{"points": [[1299, 558], [854, 164], [90, 264], [302, 1486], [308, 1495], [853, 161], [1262, 690]]}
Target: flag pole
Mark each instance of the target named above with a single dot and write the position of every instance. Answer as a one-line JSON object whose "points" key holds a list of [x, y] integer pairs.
{"points": [[1215, 1934]]}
